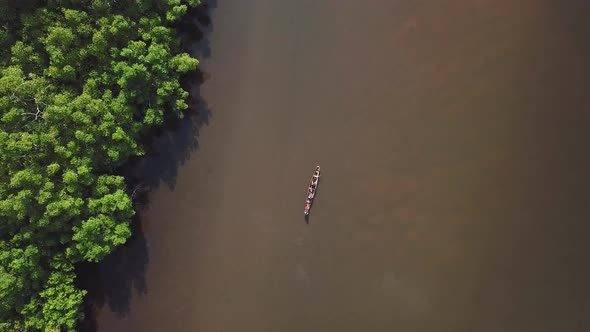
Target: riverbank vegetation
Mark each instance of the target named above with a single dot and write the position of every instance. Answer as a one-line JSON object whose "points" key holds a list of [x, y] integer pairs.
{"points": [[80, 83]]}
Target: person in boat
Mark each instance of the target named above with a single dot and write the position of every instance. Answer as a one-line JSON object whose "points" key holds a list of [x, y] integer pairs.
{"points": [[310, 194], [314, 180]]}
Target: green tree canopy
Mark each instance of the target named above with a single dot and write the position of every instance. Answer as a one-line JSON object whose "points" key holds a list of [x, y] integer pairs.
{"points": [[80, 83]]}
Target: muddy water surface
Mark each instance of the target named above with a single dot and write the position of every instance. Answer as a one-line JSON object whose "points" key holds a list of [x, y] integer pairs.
{"points": [[453, 138]]}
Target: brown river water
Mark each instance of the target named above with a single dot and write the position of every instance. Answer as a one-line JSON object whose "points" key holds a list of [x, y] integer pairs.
{"points": [[453, 138]]}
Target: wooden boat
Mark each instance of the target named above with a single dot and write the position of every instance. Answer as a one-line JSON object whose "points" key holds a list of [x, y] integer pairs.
{"points": [[311, 190]]}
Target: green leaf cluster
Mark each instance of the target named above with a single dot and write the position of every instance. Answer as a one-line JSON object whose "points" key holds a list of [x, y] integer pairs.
{"points": [[80, 83]]}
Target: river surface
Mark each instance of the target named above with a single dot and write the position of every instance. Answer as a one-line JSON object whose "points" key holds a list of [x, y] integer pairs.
{"points": [[454, 142]]}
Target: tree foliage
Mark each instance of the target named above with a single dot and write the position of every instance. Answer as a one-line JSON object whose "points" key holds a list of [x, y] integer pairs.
{"points": [[80, 83]]}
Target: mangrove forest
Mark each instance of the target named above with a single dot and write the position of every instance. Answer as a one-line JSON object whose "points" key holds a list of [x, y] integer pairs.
{"points": [[81, 83]]}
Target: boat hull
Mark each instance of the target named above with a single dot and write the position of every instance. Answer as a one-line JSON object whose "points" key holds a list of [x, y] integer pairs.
{"points": [[311, 190]]}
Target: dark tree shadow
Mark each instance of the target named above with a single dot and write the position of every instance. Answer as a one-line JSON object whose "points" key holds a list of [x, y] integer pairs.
{"points": [[115, 280], [170, 146]]}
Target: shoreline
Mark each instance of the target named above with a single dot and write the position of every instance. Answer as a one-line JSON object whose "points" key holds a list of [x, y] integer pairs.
{"points": [[167, 148]]}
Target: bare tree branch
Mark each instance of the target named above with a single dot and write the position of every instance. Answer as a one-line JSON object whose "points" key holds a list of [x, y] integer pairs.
{"points": [[37, 114]]}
